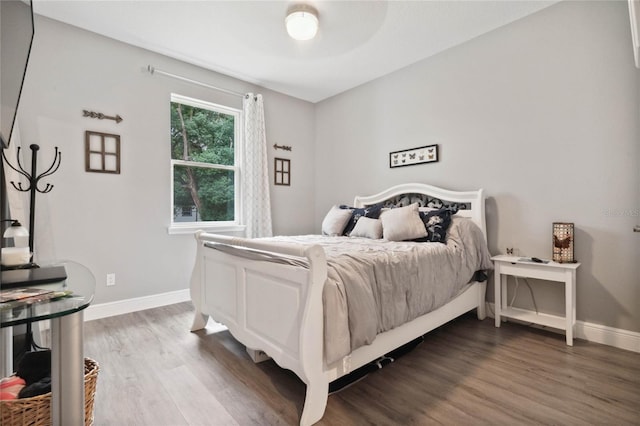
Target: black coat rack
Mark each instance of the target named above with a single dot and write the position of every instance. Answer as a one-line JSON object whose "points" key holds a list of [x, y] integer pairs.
{"points": [[33, 178]]}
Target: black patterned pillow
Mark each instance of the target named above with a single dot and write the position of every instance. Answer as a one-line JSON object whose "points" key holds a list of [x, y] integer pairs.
{"points": [[437, 223], [439, 205], [372, 212]]}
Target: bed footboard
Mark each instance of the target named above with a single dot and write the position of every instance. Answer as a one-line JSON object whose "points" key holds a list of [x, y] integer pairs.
{"points": [[270, 301]]}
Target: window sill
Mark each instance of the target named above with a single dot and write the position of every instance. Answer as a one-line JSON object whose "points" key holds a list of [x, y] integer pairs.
{"points": [[237, 230]]}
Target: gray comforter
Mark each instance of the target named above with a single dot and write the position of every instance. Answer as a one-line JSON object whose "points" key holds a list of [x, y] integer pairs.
{"points": [[376, 285]]}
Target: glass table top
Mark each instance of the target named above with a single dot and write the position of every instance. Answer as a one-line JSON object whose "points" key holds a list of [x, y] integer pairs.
{"points": [[80, 282]]}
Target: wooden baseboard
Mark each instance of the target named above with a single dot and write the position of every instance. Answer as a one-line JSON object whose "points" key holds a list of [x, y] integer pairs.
{"points": [[104, 310], [616, 337], [619, 338]]}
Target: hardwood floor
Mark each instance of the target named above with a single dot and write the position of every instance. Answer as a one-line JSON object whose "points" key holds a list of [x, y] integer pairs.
{"points": [[153, 371]]}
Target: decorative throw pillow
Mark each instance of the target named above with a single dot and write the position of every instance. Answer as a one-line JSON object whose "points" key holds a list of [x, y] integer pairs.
{"points": [[372, 212], [335, 221], [367, 228], [403, 223], [437, 223]]}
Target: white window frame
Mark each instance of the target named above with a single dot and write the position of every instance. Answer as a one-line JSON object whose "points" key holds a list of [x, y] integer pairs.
{"points": [[216, 226]]}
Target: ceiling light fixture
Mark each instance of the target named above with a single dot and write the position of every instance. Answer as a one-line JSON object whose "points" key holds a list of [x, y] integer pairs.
{"points": [[302, 22]]}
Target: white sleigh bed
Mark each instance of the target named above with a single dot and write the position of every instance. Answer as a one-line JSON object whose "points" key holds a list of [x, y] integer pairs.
{"points": [[277, 308]]}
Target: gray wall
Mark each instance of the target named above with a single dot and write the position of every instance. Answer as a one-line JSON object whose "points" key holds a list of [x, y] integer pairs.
{"points": [[118, 223], [542, 114]]}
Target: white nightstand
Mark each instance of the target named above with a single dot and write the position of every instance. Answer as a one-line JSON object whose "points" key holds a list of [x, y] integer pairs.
{"points": [[552, 271]]}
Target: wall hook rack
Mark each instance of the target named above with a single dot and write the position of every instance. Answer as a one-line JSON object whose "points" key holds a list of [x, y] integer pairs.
{"points": [[33, 178]]}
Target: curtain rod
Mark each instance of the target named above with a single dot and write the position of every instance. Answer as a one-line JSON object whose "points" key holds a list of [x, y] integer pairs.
{"points": [[153, 70]]}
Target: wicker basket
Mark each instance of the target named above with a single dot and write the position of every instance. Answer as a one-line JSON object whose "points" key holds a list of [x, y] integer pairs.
{"points": [[36, 411]]}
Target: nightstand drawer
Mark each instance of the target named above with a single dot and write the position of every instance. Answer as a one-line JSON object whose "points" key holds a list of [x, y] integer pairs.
{"points": [[533, 271]]}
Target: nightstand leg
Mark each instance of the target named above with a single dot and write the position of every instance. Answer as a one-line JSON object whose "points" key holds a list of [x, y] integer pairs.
{"points": [[497, 287], [570, 304], [504, 303]]}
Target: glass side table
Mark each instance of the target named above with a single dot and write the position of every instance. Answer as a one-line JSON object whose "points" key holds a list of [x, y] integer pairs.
{"points": [[67, 351]]}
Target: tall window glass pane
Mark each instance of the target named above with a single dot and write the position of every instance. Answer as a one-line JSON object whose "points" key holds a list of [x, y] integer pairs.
{"points": [[203, 161], [203, 194]]}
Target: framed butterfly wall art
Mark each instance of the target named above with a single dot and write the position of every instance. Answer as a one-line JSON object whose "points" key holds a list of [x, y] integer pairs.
{"points": [[413, 156]]}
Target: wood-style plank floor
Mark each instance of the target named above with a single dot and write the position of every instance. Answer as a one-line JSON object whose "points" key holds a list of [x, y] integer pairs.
{"points": [[153, 371]]}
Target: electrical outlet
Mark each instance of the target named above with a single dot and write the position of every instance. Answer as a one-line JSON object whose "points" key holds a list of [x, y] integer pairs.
{"points": [[111, 279]]}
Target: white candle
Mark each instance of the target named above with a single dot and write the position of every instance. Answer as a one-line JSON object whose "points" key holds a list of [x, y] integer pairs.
{"points": [[14, 256]]}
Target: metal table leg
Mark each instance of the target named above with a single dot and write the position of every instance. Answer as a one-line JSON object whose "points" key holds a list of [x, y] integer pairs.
{"points": [[67, 370], [6, 354]]}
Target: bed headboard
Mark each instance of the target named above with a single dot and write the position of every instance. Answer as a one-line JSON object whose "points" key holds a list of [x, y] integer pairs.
{"points": [[470, 203]]}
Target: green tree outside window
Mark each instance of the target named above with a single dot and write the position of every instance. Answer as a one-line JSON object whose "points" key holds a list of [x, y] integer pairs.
{"points": [[203, 150]]}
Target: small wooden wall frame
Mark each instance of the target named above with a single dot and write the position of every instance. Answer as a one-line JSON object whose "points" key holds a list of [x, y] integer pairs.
{"points": [[282, 172], [102, 152]]}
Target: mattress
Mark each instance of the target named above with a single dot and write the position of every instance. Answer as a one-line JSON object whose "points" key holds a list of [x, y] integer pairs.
{"points": [[376, 285]]}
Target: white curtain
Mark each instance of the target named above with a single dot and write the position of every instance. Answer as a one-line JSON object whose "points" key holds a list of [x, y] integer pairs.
{"points": [[256, 204]]}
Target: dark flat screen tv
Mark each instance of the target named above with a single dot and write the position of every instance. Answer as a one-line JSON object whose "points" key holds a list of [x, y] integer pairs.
{"points": [[16, 36]]}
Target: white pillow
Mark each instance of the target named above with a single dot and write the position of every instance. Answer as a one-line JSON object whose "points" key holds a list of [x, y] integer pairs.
{"points": [[368, 228], [402, 224], [335, 221]]}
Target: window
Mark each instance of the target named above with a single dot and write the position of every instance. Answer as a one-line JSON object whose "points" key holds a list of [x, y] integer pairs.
{"points": [[205, 141]]}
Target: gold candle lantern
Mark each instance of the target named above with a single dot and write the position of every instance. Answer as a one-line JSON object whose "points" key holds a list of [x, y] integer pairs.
{"points": [[563, 242]]}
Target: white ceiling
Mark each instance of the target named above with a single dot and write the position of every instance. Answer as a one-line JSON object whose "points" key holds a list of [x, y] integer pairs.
{"points": [[358, 41]]}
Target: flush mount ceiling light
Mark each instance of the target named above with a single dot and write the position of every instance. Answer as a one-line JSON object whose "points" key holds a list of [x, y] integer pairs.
{"points": [[302, 22]]}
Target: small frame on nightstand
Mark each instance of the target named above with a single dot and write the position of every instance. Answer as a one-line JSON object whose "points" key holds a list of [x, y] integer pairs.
{"points": [[102, 152]]}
